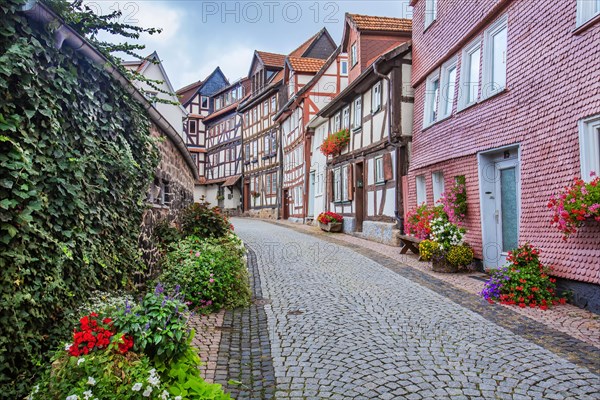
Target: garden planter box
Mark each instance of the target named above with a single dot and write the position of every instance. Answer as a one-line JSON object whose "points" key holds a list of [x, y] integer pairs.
{"points": [[440, 264], [331, 227]]}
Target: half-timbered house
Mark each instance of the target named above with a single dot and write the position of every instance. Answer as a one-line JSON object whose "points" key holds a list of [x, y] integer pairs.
{"points": [[196, 99], [260, 134], [364, 179], [224, 147], [310, 83]]}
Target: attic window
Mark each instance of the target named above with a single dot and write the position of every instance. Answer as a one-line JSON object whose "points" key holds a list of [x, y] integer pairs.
{"points": [[353, 54], [204, 102]]}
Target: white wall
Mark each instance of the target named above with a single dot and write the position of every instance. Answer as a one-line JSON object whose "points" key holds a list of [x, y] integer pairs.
{"points": [[318, 164]]}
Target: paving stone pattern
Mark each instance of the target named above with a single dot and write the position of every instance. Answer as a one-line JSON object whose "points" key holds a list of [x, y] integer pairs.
{"points": [[207, 340], [343, 326], [244, 365]]}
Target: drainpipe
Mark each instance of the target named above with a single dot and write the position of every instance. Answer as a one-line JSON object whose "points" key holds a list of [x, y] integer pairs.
{"points": [[399, 214]]}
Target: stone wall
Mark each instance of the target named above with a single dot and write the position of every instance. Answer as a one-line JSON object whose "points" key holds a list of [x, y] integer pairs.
{"points": [[179, 192]]}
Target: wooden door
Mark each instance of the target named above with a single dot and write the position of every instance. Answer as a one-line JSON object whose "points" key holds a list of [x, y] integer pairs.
{"points": [[246, 196], [286, 204]]}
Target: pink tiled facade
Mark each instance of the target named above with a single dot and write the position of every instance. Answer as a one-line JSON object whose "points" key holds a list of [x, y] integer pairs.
{"points": [[553, 82]]}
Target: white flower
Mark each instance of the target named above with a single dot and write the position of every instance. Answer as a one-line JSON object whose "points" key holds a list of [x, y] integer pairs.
{"points": [[147, 392], [164, 395], [72, 397], [177, 397], [154, 380], [36, 389], [137, 387], [87, 394], [67, 346], [91, 381], [80, 361]]}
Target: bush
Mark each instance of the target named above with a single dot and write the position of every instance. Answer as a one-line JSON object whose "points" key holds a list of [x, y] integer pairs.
{"points": [[446, 234], [204, 221], [526, 281], [427, 248], [212, 272], [165, 234], [76, 158], [158, 324], [460, 256], [418, 221], [143, 351]]}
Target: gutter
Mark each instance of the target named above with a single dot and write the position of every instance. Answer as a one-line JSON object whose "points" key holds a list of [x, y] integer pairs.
{"points": [[41, 13]]}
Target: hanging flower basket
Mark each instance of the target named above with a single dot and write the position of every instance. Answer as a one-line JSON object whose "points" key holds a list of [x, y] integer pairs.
{"points": [[575, 205], [330, 221], [335, 142]]}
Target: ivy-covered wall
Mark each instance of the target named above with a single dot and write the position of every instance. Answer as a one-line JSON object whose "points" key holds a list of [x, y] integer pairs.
{"points": [[177, 180], [76, 158]]}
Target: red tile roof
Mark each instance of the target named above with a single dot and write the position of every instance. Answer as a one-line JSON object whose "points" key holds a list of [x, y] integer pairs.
{"points": [[390, 24], [187, 92], [222, 111], [305, 64], [271, 59]]}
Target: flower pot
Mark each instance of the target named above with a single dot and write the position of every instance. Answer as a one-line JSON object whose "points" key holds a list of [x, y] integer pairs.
{"points": [[331, 227], [440, 264]]}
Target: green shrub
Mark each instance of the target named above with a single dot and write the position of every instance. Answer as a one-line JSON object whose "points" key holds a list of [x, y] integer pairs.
{"points": [[460, 256], [427, 248], [212, 272], [165, 234], [76, 158], [204, 221], [158, 324]]}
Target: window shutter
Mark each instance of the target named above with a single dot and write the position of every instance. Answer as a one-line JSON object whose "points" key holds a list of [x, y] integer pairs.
{"points": [[388, 172], [350, 182], [330, 185]]}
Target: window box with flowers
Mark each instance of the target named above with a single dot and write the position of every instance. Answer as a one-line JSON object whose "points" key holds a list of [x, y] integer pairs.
{"points": [[330, 221], [575, 205], [335, 143], [255, 195]]}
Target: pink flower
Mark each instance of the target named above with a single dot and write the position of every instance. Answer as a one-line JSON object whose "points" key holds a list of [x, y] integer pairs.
{"points": [[197, 254], [211, 280]]}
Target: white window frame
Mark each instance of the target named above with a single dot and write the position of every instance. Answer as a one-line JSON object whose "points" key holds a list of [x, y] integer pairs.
{"points": [[430, 12], [337, 188], [202, 100], [337, 122], [379, 173], [353, 54], [466, 85], [267, 144], [431, 100], [488, 87], [437, 181], [420, 184], [376, 94], [192, 122], [346, 117], [447, 93], [344, 67], [345, 183], [589, 146], [587, 10], [266, 108], [357, 115], [255, 150]]}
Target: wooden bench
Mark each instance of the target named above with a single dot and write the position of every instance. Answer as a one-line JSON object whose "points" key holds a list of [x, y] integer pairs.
{"points": [[409, 243]]}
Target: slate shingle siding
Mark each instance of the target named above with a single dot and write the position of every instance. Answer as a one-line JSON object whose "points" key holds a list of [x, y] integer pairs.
{"points": [[553, 81]]}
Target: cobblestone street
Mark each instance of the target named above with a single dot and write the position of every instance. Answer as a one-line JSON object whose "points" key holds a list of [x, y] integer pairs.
{"points": [[330, 322]]}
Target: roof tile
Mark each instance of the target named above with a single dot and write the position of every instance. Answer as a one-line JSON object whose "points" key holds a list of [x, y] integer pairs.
{"points": [[305, 64], [370, 23]]}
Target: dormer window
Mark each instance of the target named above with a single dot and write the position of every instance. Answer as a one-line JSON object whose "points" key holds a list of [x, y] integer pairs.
{"points": [[430, 12]]}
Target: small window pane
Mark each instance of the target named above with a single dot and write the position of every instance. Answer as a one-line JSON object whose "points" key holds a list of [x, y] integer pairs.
{"points": [[473, 60], [499, 61]]}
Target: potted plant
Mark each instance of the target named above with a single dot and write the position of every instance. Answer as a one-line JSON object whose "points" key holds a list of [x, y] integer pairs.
{"points": [[418, 221], [330, 221], [255, 195], [447, 235], [335, 142], [575, 205]]}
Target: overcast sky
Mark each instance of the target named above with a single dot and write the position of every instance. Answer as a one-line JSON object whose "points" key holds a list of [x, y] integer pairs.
{"points": [[198, 36]]}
